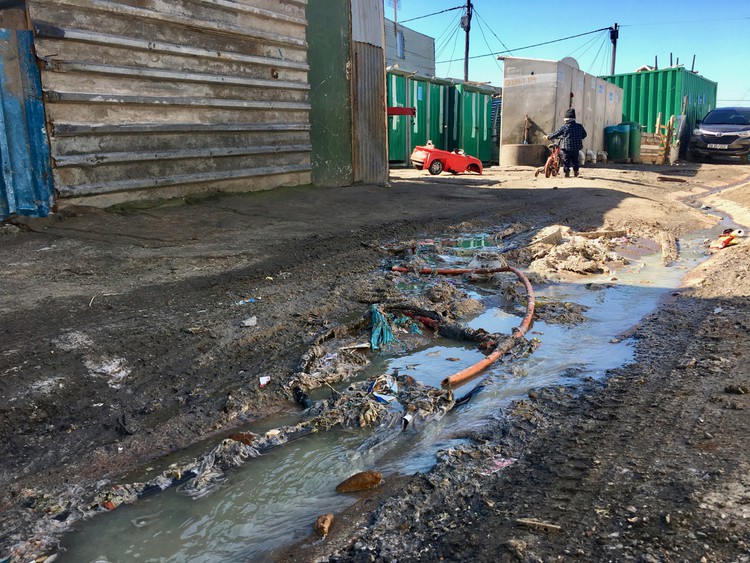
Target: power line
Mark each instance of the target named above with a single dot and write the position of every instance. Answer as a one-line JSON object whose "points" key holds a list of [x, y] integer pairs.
{"points": [[481, 29], [493, 33], [454, 29], [433, 14], [531, 46], [685, 21]]}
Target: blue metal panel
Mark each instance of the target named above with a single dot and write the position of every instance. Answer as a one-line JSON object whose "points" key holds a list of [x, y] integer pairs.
{"points": [[26, 175]]}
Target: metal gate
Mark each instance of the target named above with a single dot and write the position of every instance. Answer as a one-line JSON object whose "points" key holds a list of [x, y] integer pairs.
{"points": [[26, 175]]}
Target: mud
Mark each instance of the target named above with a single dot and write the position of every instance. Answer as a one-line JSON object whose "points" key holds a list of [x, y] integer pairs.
{"points": [[123, 342]]}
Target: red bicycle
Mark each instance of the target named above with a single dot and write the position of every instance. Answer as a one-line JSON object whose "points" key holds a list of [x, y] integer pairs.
{"points": [[554, 161]]}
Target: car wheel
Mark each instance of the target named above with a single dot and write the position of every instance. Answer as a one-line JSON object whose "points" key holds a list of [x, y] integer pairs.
{"points": [[436, 167]]}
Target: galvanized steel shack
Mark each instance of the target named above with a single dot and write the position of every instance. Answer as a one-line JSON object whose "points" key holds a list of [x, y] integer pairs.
{"points": [[650, 92], [155, 99]]}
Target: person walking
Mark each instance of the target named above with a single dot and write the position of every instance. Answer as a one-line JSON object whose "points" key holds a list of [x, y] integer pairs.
{"points": [[571, 136]]}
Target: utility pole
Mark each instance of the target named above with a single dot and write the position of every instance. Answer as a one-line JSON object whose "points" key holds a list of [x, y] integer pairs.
{"points": [[614, 33], [466, 25]]}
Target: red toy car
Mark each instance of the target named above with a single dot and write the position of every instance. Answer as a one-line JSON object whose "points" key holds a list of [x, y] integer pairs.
{"points": [[436, 160]]}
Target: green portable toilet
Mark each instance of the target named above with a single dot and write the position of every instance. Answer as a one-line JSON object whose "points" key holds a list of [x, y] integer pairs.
{"points": [[398, 125], [469, 120], [634, 146], [617, 140], [429, 97]]}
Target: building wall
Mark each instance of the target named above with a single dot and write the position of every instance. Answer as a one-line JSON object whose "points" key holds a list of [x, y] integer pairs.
{"points": [[155, 99], [419, 50]]}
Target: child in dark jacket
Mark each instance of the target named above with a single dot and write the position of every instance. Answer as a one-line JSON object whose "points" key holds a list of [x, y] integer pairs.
{"points": [[571, 136]]}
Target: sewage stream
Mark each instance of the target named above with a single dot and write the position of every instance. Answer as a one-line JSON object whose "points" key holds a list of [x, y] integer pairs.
{"points": [[273, 500]]}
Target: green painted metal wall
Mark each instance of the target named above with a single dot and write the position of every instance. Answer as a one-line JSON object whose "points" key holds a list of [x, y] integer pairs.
{"points": [[330, 97], [647, 93]]}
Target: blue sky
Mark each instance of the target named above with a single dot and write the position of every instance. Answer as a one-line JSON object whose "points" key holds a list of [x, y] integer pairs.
{"points": [[717, 33]]}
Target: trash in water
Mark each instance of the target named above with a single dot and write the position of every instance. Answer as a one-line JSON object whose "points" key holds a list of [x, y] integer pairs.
{"points": [[302, 398], [252, 321], [728, 238]]}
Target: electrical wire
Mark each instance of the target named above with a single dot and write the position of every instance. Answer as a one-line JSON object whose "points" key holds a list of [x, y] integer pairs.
{"points": [[596, 57], [447, 41], [588, 45], [443, 39], [481, 30], [433, 14], [530, 46], [481, 19], [453, 52], [661, 23]]}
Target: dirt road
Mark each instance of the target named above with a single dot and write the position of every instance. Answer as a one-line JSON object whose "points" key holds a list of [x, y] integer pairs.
{"points": [[122, 342]]}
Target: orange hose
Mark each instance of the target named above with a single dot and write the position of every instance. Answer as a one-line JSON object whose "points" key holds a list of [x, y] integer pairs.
{"points": [[466, 375]]}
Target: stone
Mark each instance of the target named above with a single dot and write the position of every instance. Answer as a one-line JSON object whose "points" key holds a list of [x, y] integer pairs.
{"points": [[361, 481], [323, 524]]}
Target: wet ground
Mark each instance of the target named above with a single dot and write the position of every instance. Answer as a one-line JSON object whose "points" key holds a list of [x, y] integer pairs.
{"points": [[123, 342]]}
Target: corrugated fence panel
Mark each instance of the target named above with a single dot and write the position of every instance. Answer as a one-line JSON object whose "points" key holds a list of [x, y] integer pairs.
{"points": [[174, 96], [367, 22], [369, 113]]}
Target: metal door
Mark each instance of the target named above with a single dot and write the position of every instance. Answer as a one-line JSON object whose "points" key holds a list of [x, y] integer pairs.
{"points": [[398, 125], [26, 175]]}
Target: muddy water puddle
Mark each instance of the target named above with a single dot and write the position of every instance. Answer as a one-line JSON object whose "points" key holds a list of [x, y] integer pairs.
{"points": [[273, 500]]}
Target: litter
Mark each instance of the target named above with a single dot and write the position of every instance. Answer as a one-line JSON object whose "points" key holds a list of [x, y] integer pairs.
{"points": [[727, 238], [498, 463], [264, 380], [247, 301], [252, 321]]}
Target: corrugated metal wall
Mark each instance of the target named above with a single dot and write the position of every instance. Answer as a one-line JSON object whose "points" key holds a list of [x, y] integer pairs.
{"points": [[172, 97], [369, 139]]}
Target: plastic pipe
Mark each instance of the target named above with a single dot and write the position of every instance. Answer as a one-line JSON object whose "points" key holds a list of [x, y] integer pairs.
{"points": [[466, 375]]}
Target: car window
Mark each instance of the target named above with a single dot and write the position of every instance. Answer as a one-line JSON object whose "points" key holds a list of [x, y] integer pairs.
{"points": [[728, 117]]}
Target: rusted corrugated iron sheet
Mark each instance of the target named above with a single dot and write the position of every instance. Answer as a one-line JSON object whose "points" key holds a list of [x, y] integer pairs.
{"points": [[369, 113], [174, 97]]}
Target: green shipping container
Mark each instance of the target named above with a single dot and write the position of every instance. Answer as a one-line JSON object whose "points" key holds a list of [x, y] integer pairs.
{"points": [[469, 121], [647, 93]]}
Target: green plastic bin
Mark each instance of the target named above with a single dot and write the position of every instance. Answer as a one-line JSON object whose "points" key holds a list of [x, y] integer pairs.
{"points": [[617, 138], [635, 141]]}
